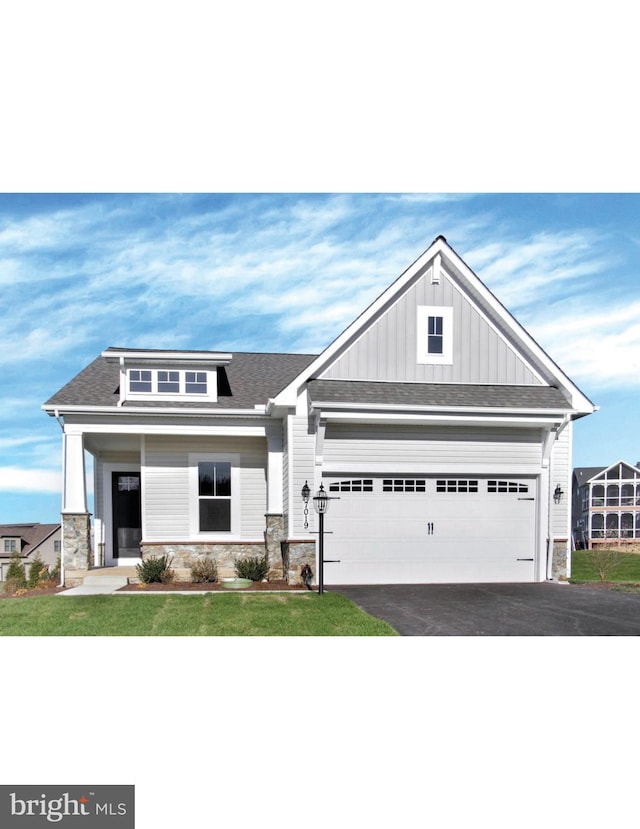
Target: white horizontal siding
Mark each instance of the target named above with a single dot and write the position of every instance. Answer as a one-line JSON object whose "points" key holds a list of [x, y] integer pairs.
{"points": [[434, 449], [561, 474], [166, 484], [302, 468]]}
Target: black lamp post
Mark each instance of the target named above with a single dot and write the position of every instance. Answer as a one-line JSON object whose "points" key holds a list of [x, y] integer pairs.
{"points": [[321, 505]]}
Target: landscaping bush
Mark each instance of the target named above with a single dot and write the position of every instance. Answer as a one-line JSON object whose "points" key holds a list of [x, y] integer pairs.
{"points": [[204, 570], [37, 572], [155, 569], [55, 572], [253, 567], [16, 578]]}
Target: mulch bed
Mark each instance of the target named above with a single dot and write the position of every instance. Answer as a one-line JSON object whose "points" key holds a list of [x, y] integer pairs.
{"points": [[38, 591]]}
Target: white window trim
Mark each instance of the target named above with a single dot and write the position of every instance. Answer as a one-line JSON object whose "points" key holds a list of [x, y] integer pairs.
{"points": [[194, 499], [210, 397], [422, 335]]}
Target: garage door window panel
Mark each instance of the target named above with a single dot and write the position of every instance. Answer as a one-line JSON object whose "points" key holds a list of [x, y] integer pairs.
{"points": [[404, 485], [456, 485]]}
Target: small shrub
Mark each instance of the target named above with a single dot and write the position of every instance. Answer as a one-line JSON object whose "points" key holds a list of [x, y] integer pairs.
{"points": [[204, 570], [37, 572], [55, 572], [16, 577], [155, 569], [253, 567]]}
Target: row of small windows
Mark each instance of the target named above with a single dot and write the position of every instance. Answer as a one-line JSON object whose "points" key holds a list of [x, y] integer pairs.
{"points": [[146, 381], [448, 485]]}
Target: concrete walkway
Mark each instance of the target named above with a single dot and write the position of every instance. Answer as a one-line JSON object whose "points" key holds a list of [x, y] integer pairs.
{"points": [[95, 585]]}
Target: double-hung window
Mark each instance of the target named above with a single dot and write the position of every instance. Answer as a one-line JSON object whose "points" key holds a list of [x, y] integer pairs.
{"points": [[214, 488], [434, 335]]}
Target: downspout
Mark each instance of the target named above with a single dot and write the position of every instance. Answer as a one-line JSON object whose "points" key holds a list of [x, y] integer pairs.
{"points": [[565, 421], [61, 424]]}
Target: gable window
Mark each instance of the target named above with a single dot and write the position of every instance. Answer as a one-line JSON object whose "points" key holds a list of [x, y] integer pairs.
{"points": [[434, 340], [10, 545], [434, 335], [215, 494]]}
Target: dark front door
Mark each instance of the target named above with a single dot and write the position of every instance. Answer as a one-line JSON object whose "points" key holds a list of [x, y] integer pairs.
{"points": [[127, 523]]}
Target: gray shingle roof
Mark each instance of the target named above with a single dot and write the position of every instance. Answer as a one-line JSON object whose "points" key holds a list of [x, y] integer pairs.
{"points": [[250, 379], [583, 474], [32, 535], [441, 395]]}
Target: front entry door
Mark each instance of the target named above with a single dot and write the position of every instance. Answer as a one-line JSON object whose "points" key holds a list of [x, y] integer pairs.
{"points": [[127, 521]]}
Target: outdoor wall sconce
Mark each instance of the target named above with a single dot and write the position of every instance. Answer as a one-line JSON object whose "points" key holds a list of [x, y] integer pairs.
{"points": [[306, 494], [557, 494]]}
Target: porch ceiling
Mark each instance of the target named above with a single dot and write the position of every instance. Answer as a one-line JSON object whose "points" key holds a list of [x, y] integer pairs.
{"points": [[112, 443]]}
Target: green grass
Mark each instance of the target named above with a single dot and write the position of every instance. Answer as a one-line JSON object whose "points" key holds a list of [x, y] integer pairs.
{"points": [[583, 568], [304, 614]]}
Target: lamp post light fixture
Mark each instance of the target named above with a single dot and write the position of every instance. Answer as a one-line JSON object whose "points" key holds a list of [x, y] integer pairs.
{"points": [[557, 494], [321, 505]]}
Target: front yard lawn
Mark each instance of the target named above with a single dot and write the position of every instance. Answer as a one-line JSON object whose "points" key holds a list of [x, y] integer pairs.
{"points": [[623, 567], [300, 614]]}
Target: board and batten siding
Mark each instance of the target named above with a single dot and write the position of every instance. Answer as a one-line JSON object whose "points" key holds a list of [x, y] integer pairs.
{"points": [[166, 484], [431, 449], [388, 349]]}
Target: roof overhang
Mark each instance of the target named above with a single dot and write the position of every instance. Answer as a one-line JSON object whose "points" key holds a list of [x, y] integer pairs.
{"points": [[142, 357]]}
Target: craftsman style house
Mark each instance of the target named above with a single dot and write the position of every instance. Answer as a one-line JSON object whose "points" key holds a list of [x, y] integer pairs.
{"points": [[439, 427], [606, 505]]}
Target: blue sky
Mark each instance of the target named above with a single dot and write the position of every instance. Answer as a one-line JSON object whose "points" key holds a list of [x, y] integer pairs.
{"points": [[288, 272]]}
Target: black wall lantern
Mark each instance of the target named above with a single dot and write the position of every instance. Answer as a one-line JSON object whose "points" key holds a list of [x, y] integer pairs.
{"points": [[557, 494]]}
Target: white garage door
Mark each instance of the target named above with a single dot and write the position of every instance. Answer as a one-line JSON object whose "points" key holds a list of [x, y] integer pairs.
{"points": [[400, 530]]}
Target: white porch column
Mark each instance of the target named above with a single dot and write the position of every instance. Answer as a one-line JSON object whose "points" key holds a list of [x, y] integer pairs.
{"points": [[76, 521], [274, 474], [74, 498]]}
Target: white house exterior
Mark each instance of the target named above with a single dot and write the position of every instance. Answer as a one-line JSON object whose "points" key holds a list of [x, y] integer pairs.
{"points": [[438, 425]]}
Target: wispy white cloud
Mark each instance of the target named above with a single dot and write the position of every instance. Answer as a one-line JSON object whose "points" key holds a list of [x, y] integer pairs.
{"points": [[15, 479]]}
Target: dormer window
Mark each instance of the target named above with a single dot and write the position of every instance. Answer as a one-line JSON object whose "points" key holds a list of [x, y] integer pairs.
{"points": [[196, 382], [168, 376], [151, 383]]}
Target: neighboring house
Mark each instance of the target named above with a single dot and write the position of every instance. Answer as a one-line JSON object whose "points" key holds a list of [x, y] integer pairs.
{"points": [[28, 540], [438, 424], [606, 505]]}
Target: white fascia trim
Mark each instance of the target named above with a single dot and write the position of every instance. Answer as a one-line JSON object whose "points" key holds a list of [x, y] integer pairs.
{"points": [[604, 471], [328, 408], [443, 418], [119, 411], [213, 358]]}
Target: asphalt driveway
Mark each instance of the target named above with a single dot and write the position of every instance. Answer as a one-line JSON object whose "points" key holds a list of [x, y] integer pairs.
{"points": [[544, 609]]}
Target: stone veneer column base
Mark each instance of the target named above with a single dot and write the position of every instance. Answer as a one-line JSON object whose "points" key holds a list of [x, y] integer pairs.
{"points": [[295, 554], [559, 562], [76, 540], [273, 538]]}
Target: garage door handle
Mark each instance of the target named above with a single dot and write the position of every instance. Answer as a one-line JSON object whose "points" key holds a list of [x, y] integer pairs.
{"points": [[524, 559]]}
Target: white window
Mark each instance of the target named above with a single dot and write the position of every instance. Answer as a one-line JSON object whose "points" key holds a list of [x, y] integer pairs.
{"points": [[214, 483], [10, 545], [171, 384], [435, 335]]}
